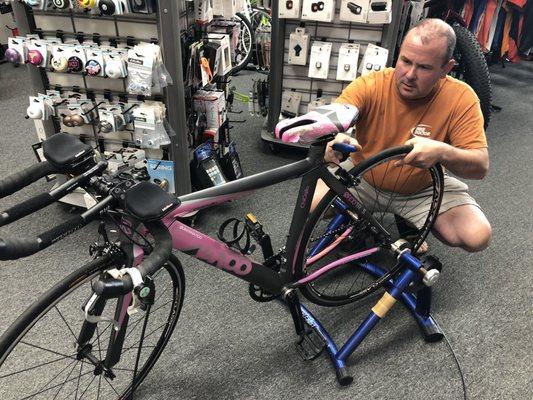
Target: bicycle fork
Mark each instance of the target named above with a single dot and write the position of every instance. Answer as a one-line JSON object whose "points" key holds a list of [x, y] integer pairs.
{"points": [[419, 308], [93, 309]]}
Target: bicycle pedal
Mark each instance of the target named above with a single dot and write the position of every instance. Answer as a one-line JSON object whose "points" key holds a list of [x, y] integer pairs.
{"points": [[310, 345]]}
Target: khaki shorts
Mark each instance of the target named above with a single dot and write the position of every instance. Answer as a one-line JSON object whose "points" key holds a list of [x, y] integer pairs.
{"points": [[415, 208]]}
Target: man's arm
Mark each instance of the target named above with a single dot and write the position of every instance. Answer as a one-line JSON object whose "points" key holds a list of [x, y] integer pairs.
{"points": [[465, 163]]}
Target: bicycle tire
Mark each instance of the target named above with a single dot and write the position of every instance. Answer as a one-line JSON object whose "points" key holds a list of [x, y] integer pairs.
{"points": [[21, 339], [349, 283], [472, 68], [246, 29]]}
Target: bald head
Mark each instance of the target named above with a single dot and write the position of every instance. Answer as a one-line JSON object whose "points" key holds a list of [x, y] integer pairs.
{"points": [[432, 29]]}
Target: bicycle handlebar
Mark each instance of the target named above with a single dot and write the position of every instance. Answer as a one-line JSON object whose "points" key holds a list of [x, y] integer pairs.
{"points": [[44, 199], [116, 287], [20, 180], [12, 249]]}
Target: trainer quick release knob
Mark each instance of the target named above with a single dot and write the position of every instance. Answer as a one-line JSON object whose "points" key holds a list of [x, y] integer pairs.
{"points": [[430, 277]]}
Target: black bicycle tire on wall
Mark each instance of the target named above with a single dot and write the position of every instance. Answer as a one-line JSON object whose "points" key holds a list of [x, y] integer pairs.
{"points": [[473, 69]]}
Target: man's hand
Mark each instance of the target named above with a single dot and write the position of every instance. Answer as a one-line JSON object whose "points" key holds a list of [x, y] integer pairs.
{"points": [[425, 153], [334, 156]]}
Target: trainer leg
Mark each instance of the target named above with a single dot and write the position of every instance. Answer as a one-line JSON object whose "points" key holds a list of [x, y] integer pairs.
{"points": [[463, 226]]}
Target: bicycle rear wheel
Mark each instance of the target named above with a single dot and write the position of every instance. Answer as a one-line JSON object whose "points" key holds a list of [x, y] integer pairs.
{"points": [[330, 234], [40, 355]]}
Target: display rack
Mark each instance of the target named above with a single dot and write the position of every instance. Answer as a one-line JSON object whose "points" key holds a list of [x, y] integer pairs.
{"points": [[163, 27], [291, 77]]}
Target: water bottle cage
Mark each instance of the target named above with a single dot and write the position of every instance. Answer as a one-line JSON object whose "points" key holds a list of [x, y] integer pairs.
{"points": [[240, 239]]}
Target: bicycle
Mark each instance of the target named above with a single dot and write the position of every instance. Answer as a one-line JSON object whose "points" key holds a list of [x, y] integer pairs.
{"points": [[135, 283]]}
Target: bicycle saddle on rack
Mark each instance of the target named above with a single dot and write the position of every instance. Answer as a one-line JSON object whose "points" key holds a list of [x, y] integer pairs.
{"points": [[67, 154], [323, 120]]}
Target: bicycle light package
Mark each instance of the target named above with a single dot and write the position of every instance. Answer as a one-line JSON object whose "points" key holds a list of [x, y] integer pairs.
{"points": [[298, 47], [347, 62], [354, 11], [375, 59], [289, 8], [380, 12], [318, 10], [319, 60]]}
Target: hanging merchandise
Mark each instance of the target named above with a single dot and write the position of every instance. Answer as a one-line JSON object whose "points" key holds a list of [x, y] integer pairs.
{"points": [[319, 60], [230, 162], [298, 47], [211, 104], [289, 9], [150, 131], [205, 168], [347, 62], [146, 71], [203, 11], [375, 59], [290, 104], [379, 12], [354, 10], [318, 10]]}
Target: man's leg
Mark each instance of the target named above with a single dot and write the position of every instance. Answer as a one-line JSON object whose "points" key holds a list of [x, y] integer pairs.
{"points": [[463, 226]]}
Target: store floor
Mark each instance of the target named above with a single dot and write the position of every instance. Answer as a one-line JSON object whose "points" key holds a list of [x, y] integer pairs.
{"points": [[226, 346]]}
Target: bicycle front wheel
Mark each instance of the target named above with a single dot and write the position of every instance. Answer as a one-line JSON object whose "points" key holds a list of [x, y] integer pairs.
{"points": [[390, 194], [40, 354]]}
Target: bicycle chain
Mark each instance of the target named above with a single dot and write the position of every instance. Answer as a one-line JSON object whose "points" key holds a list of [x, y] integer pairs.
{"points": [[338, 230]]}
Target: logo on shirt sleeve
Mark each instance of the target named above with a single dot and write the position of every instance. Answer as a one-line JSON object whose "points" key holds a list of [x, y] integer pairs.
{"points": [[421, 130]]}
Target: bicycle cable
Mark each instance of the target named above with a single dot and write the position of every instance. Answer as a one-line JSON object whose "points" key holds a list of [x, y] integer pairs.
{"points": [[130, 238], [456, 363]]}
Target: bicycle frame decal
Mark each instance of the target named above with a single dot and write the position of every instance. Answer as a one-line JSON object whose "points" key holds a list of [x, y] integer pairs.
{"points": [[211, 251]]}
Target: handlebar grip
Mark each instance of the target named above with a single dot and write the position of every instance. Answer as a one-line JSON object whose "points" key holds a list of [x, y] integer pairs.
{"points": [[162, 249], [20, 180], [25, 208], [344, 148], [12, 249]]}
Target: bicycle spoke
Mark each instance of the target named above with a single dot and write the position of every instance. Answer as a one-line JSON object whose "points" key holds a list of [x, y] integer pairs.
{"points": [[37, 366], [92, 380], [65, 381], [65, 321], [112, 387], [60, 372], [79, 377], [53, 387], [48, 350]]}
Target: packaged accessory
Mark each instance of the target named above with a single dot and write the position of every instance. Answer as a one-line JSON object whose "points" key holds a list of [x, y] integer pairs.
{"points": [[298, 47]]}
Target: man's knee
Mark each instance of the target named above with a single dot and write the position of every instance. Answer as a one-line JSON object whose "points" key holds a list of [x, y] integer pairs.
{"points": [[464, 227], [479, 239]]}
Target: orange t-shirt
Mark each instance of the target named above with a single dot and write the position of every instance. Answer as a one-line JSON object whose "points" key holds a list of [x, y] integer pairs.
{"points": [[450, 114]]}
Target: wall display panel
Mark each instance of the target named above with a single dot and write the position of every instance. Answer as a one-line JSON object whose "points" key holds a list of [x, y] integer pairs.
{"points": [[110, 34], [382, 32]]}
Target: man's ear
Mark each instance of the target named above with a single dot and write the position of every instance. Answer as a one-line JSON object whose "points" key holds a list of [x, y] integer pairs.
{"points": [[448, 67]]}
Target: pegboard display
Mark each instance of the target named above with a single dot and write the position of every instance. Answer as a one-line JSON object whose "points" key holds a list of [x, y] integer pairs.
{"points": [[114, 33], [307, 76]]}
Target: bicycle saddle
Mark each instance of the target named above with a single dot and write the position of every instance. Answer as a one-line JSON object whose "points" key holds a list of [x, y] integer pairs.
{"points": [[68, 154], [323, 120], [146, 201]]}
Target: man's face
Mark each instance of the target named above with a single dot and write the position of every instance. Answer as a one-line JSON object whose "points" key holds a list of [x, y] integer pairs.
{"points": [[420, 67]]}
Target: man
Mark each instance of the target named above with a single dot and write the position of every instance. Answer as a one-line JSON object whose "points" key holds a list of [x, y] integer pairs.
{"points": [[417, 104]]}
